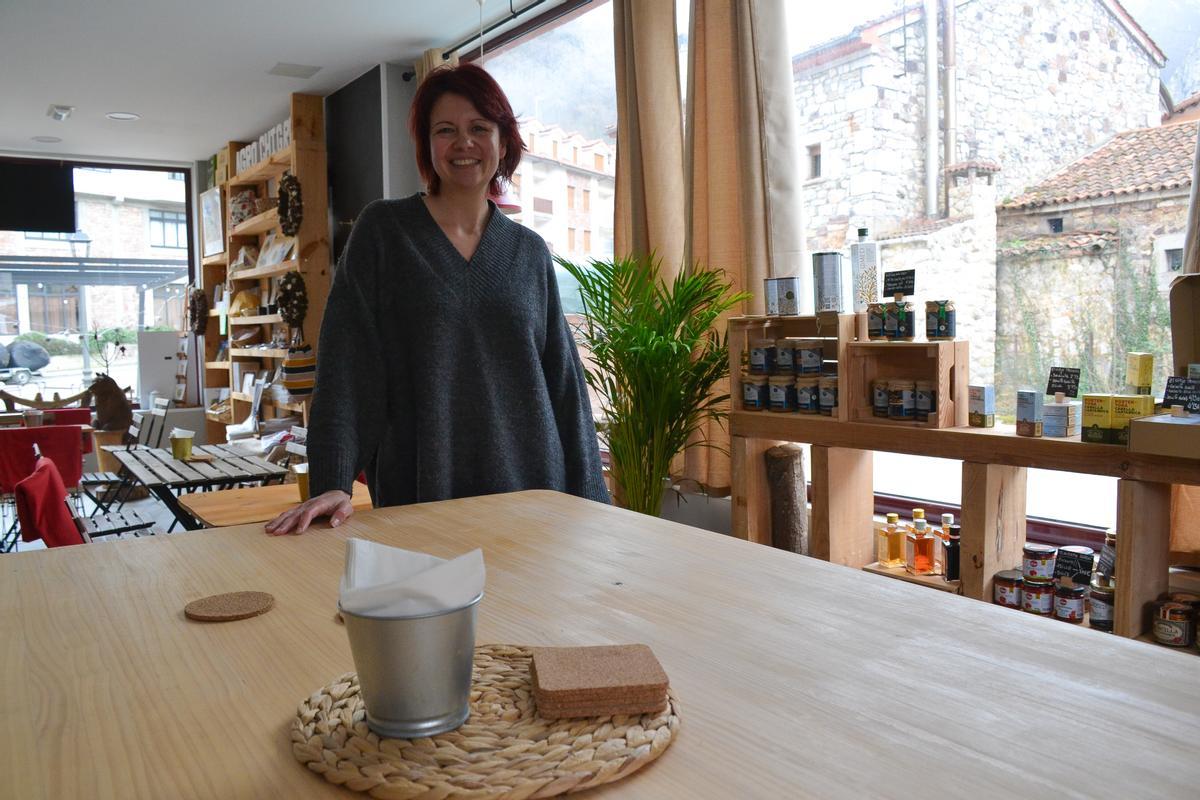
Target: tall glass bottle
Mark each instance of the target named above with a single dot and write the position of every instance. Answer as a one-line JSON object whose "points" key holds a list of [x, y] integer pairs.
{"points": [[942, 535], [953, 551], [890, 546], [918, 549]]}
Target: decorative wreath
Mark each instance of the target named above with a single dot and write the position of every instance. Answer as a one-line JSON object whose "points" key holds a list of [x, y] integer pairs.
{"points": [[293, 299], [197, 311], [291, 206]]}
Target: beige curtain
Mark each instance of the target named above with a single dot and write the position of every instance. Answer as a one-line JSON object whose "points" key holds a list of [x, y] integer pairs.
{"points": [[649, 186], [1185, 500], [431, 59], [742, 166]]}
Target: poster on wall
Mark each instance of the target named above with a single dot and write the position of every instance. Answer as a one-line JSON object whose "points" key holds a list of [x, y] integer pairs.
{"points": [[210, 222]]}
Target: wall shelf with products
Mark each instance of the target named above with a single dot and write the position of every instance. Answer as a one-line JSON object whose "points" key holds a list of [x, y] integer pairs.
{"points": [[994, 476], [900, 573], [256, 188]]}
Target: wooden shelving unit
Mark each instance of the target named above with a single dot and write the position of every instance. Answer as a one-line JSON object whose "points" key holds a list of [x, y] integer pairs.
{"points": [[304, 158]]}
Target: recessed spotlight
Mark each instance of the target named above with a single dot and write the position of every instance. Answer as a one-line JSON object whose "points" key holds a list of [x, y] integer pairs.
{"points": [[287, 70], [58, 112], [123, 116], [47, 139]]}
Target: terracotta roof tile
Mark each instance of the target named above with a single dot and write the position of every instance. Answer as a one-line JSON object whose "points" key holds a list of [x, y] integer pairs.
{"points": [[921, 225], [1071, 241], [1141, 160]]}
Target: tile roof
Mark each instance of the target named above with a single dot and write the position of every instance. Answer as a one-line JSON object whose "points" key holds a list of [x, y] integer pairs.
{"points": [[919, 226], [1070, 242], [1141, 160]]}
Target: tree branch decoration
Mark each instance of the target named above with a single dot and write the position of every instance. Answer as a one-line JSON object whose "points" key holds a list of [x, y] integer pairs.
{"points": [[291, 206]]}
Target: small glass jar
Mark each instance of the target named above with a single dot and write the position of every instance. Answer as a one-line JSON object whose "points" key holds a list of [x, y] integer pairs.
{"points": [[808, 400], [1006, 588], [785, 353], [762, 356], [809, 356], [899, 324], [939, 320], [755, 393], [925, 401], [1069, 602], [782, 393], [875, 321], [1174, 624], [1037, 598], [1037, 563], [902, 401], [1101, 602], [879, 398], [828, 388]]}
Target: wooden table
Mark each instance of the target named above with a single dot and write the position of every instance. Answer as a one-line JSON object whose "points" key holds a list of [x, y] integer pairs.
{"points": [[254, 504], [796, 677], [165, 476]]}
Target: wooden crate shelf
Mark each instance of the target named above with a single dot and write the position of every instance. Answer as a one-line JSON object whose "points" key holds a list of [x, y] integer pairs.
{"points": [[216, 365], [900, 573], [259, 223], [264, 319], [258, 352], [269, 168], [945, 364], [282, 268], [215, 260], [292, 405]]}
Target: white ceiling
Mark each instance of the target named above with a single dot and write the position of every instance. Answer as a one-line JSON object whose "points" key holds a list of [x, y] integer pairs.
{"points": [[197, 71]]}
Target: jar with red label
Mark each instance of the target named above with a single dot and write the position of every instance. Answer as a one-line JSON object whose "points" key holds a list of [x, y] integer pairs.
{"points": [[1038, 562], [1173, 624], [1037, 598], [1006, 588], [1069, 600]]}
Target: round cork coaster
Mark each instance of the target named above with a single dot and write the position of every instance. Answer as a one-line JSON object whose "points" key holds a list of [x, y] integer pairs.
{"points": [[230, 606], [503, 751]]}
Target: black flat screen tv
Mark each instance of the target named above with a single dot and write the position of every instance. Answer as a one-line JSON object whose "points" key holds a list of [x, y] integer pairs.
{"points": [[37, 196]]}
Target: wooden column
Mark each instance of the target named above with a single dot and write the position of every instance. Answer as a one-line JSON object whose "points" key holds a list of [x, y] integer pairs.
{"points": [[993, 524], [749, 494], [1143, 542], [843, 506]]}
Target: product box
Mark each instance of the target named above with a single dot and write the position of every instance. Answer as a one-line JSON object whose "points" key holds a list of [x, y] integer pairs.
{"points": [[1029, 412], [1098, 419], [222, 172], [1139, 372], [1166, 435], [1061, 420], [981, 406], [1125, 409]]}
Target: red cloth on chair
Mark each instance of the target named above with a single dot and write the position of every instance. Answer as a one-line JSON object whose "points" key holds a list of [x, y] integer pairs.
{"points": [[71, 416], [42, 507], [59, 443]]}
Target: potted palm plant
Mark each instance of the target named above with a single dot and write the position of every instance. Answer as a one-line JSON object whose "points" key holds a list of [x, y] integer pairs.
{"points": [[657, 356]]}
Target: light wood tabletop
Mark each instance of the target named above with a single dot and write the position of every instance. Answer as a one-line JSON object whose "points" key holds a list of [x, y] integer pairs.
{"points": [[254, 504], [796, 677]]}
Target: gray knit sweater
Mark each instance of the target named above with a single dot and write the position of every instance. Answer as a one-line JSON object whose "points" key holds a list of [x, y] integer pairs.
{"points": [[445, 378]]}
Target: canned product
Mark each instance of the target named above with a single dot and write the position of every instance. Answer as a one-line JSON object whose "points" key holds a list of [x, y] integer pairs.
{"points": [[827, 282]]}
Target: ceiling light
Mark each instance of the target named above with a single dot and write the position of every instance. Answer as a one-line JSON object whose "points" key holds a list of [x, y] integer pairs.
{"points": [[293, 70], [123, 116], [59, 113], [47, 139]]}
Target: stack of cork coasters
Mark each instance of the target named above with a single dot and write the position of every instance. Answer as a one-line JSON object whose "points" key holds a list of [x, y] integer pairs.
{"points": [[597, 681]]}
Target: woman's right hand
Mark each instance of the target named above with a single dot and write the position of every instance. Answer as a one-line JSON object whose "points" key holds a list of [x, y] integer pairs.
{"points": [[334, 504]]}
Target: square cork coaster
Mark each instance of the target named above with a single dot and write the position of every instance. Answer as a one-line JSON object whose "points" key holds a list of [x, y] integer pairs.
{"points": [[597, 681]]}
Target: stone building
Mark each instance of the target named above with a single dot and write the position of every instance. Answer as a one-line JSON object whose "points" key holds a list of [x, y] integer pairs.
{"points": [[1085, 257]]}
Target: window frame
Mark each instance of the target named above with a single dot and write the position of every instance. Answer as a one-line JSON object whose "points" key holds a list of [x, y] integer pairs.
{"points": [[180, 221]]}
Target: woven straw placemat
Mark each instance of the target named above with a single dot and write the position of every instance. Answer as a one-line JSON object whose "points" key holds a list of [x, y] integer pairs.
{"points": [[503, 751]]}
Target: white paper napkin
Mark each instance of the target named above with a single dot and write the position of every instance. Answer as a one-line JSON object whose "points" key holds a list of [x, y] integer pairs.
{"points": [[180, 433], [383, 581]]}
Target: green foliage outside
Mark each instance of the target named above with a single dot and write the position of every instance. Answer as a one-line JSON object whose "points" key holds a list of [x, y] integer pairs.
{"points": [[657, 359]]}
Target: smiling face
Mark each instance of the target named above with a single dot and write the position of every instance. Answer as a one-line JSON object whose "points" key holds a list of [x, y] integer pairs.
{"points": [[464, 145]]}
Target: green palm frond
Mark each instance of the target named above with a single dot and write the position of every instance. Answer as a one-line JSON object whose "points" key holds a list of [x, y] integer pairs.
{"points": [[657, 358]]}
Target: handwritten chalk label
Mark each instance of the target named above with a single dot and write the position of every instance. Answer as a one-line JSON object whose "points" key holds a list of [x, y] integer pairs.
{"points": [[1069, 564], [900, 282], [1182, 392], [1108, 560], [1065, 380]]}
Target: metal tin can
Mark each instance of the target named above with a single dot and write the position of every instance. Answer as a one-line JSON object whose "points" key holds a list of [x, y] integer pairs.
{"points": [[1038, 562], [808, 399], [809, 355], [1101, 602], [755, 393], [1037, 598], [828, 388], [762, 356], [783, 296], [1069, 602], [875, 318], [785, 354], [782, 393], [1173, 624], [1006, 588], [926, 400], [939, 320], [879, 398], [902, 401], [827, 282]]}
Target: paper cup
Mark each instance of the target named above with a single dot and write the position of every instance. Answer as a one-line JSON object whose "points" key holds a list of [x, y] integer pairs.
{"points": [[301, 472], [181, 448], [414, 672], [33, 417]]}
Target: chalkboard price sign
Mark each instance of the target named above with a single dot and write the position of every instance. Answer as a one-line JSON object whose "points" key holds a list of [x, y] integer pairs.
{"points": [[900, 282], [1065, 380], [1182, 392], [1069, 564]]}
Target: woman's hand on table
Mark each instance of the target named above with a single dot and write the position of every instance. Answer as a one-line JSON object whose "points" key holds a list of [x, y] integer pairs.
{"points": [[334, 504]]}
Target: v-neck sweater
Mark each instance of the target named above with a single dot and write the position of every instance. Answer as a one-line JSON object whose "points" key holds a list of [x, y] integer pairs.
{"points": [[443, 377]]}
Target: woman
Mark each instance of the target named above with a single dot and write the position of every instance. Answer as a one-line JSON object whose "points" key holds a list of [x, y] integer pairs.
{"points": [[446, 368]]}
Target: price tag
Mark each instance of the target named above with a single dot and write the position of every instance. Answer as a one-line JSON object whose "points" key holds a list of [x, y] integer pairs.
{"points": [[1069, 564], [900, 282], [1065, 380], [1182, 392]]}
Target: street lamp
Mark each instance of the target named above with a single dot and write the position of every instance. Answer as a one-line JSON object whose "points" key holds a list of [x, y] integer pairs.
{"points": [[77, 239], [80, 239]]}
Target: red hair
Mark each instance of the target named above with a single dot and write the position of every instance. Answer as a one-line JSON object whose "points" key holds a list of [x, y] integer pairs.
{"points": [[476, 85]]}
